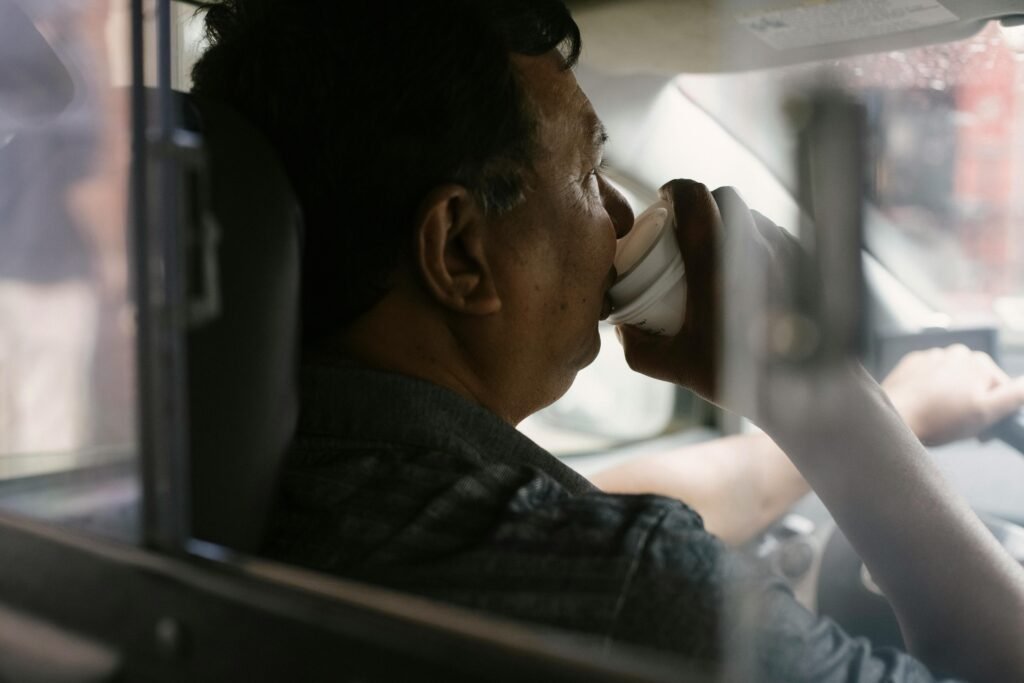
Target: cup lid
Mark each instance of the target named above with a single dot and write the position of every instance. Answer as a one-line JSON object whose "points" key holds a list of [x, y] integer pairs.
{"points": [[628, 311]]}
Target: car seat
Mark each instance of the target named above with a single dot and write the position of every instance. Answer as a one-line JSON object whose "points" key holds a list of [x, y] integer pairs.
{"points": [[242, 357]]}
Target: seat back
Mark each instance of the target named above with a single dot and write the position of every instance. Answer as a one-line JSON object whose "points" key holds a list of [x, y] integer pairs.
{"points": [[242, 360]]}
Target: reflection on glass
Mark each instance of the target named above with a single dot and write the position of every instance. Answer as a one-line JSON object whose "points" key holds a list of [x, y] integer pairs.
{"points": [[66, 337]]}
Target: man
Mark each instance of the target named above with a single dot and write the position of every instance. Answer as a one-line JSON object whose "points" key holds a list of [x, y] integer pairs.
{"points": [[457, 257]]}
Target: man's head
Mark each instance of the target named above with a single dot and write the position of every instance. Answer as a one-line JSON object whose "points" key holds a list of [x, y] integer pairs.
{"points": [[444, 158]]}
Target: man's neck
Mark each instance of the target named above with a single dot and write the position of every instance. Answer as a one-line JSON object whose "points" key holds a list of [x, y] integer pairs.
{"points": [[398, 337]]}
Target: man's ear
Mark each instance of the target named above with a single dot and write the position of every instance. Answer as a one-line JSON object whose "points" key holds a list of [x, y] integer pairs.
{"points": [[451, 232]]}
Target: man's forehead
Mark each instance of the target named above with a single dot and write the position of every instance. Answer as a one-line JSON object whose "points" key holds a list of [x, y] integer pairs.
{"points": [[555, 92], [591, 133]]}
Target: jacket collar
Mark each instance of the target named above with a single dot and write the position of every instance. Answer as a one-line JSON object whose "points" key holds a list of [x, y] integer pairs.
{"points": [[345, 399]]}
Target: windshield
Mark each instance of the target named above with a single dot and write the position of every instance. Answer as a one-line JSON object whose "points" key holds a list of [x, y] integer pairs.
{"points": [[948, 155], [946, 150]]}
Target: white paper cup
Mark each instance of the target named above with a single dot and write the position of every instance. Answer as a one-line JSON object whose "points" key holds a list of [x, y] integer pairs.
{"points": [[650, 292]]}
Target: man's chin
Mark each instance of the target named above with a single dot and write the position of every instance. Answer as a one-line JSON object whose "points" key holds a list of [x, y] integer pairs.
{"points": [[593, 349]]}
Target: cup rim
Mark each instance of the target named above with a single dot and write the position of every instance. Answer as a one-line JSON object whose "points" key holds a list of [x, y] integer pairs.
{"points": [[666, 281]]}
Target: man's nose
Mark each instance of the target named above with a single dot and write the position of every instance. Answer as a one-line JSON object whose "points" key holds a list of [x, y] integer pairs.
{"points": [[617, 207]]}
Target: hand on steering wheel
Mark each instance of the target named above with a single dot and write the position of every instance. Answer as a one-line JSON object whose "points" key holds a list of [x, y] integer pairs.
{"points": [[953, 393]]}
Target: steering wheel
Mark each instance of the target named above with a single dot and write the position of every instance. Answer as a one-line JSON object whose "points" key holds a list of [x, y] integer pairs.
{"points": [[1011, 431], [828, 576]]}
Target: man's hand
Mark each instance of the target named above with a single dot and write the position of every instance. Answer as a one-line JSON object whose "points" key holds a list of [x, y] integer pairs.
{"points": [[691, 357], [762, 261], [954, 393]]}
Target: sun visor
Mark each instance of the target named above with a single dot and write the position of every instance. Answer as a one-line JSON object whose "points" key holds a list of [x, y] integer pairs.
{"points": [[695, 36]]}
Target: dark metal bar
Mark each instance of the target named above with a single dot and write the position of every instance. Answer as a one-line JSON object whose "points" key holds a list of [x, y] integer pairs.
{"points": [[163, 411], [139, 254], [831, 290]]}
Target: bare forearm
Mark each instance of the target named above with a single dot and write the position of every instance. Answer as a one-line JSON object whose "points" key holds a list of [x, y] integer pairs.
{"points": [[958, 596], [738, 484]]}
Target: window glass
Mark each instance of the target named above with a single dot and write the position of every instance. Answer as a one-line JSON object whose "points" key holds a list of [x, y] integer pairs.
{"points": [[67, 400], [188, 29], [948, 151]]}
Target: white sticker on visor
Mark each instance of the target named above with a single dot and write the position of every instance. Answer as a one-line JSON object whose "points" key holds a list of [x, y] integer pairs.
{"points": [[832, 21]]}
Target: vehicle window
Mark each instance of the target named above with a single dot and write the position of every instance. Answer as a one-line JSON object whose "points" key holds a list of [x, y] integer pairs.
{"points": [[945, 126], [67, 392], [189, 42], [940, 186]]}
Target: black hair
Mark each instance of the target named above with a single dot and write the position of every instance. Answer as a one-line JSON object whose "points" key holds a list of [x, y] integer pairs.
{"points": [[370, 104]]}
